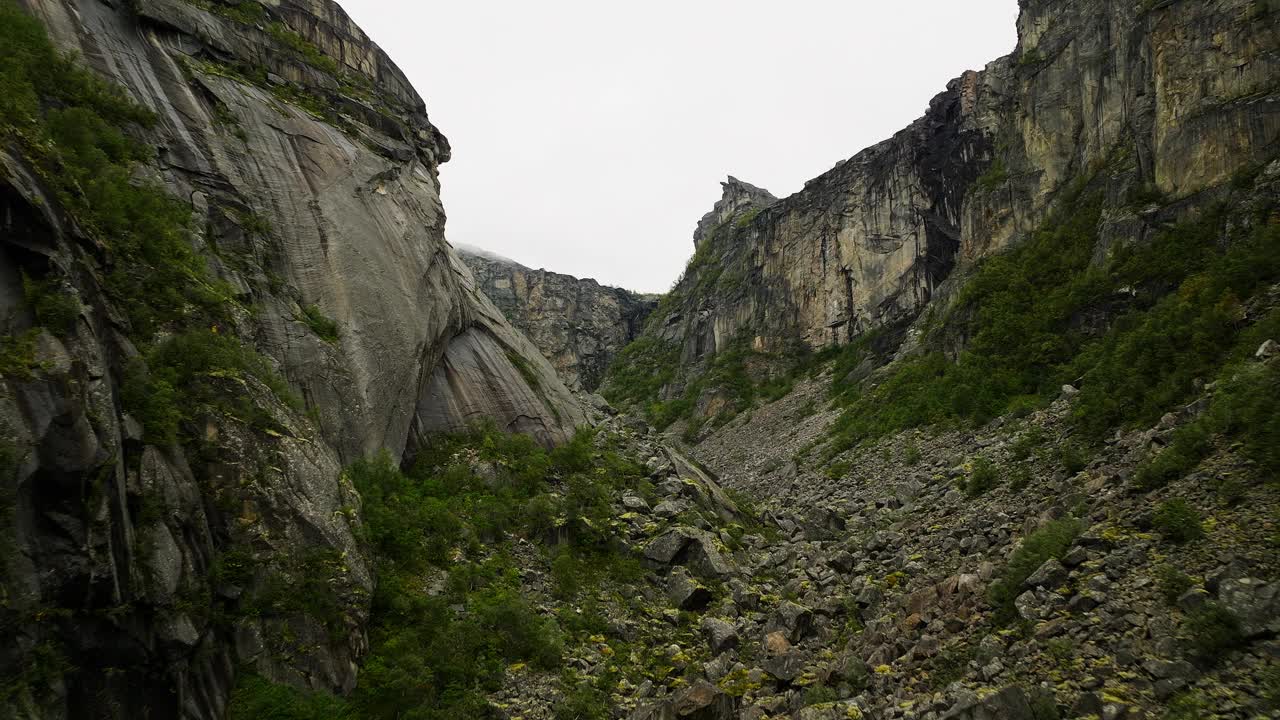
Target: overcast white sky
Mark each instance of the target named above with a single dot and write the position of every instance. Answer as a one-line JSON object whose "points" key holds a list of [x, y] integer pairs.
{"points": [[590, 136]]}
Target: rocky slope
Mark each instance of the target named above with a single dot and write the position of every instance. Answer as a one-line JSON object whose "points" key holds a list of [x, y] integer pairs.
{"points": [[227, 364], [988, 380], [1183, 94], [173, 445], [578, 324]]}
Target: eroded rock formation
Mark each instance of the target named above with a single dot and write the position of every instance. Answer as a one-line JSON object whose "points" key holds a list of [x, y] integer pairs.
{"points": [[1176, 95], [578, 324]]}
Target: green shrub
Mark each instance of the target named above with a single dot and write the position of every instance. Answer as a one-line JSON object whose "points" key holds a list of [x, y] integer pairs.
{"points": [[952, 664], [982, 478], [1178, 521], [1019, 479], [407, 522], [1051, 541], [818, 695], [1173, 583], [1027, 443], [1043, 706], [437, 657], [1191, 443], [309, 53], [182, 377], [1271, 686], [581, 700], [1072, 459], [255, 698], [994, 176], [75, 128], [56, 308], [18, 355], [1212, 632], [912, 455], [565, 574], [1190, 705], [640, 371], [838, 470]]}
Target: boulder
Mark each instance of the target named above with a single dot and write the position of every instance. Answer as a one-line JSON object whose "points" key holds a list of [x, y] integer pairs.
{"points": [[687, 593], [1010, 703], [1255, 602], [721, 635], [1050, 575], [795, 621], [689, 546]]}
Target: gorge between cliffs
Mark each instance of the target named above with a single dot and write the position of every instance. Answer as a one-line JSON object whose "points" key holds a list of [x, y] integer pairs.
{"points": [[982, 423]]}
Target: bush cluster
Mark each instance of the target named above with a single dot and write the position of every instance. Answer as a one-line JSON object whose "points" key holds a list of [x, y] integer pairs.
{"points": [[1177, 521], [457, 509]]}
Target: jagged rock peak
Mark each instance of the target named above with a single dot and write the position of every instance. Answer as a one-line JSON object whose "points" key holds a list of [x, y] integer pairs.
{"points": [[737, 198]]}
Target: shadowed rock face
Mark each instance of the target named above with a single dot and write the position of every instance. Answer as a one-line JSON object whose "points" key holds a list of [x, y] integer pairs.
{"points": [[314, 187], [1174, 97], [579, 325]]}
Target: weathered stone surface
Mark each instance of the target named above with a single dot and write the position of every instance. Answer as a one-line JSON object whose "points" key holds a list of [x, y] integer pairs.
{"points": [[294, 211], [685, 592], [1255, 602], [577, 324], [721, 635], [873, 241], [795, 621], [688, 546], [737, 199], [1049, 575], [1010, 703]]}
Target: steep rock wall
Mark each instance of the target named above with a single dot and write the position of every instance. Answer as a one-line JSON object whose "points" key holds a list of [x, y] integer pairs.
{"points": [[578, 324], [1175, 95], [139, 577]]}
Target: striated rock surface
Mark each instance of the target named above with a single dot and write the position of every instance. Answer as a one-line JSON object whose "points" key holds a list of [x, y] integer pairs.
{"points": [[578, 324], [310, 169], [1177, 95]]}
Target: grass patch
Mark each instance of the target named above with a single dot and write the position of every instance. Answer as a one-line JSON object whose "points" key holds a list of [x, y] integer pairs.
{"points": [[324, 327]]}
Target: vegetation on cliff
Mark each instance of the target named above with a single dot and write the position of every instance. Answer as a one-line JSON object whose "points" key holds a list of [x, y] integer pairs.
{"points": [[450, 539], [1137, 331]]}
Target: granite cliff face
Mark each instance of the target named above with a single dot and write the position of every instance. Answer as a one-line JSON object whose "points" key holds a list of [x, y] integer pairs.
{"points": [[310, 170], [1172, 97], [578, 324]]}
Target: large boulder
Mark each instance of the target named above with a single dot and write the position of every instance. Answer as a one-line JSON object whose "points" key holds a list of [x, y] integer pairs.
{"points": [[688, 546]]}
